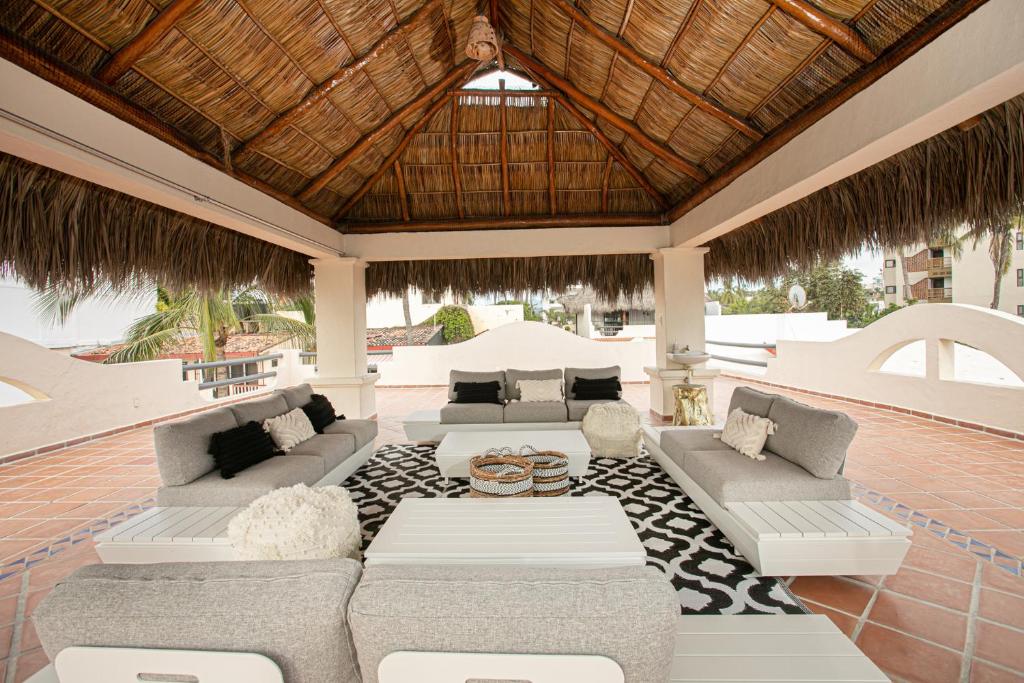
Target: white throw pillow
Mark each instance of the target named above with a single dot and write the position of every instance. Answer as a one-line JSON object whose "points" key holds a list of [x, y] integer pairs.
{"points": [[536, 390], [289, 429], [747, 433]]}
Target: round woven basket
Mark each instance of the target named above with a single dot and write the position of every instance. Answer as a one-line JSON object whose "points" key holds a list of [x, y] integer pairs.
{"points": [[550, 471], [500, 476]]}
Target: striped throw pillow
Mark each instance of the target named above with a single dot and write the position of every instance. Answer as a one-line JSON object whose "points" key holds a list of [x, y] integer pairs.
{"points": [[290, 429], [747, 433]]}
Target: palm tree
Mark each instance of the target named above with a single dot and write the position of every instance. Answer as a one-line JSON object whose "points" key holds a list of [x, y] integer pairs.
{"points": [[408, 317], [1000, 250]]}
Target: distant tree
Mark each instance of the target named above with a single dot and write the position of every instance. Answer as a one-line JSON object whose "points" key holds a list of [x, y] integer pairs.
{"points": [[455, 322], [831, 288]]}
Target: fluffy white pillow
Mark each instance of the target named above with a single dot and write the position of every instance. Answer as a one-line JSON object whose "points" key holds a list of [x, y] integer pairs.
{"points": [[289, 429], [536, 390], [747, 433]]}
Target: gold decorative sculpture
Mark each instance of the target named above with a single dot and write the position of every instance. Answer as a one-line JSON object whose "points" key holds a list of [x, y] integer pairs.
{"points": [[691, 405]]}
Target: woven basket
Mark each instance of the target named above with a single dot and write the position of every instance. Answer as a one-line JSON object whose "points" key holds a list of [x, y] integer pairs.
{"points": [[550, 471], [500, 476]]}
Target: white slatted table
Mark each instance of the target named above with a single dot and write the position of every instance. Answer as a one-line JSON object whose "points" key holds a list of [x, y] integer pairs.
{"points": [[777, 647], [584, 531], [796, 538], [185, 534]]}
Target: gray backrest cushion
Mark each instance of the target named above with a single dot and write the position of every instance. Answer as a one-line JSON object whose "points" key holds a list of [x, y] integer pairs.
{"points": [[292, 612], [182, 447], [296, 396], [466, 376], [812, 438], [628, 614], [751, 401], [260, 409], [512, 376], [589, 373]]}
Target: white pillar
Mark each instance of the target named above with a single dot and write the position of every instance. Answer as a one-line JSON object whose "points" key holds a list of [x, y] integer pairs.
{"points": [[678, 320], [342, 376]]}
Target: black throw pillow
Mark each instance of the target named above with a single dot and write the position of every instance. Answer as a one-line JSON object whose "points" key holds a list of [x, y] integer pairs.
{"points": [[242, 447], [320, 413], [605, 388], [477, 392]]}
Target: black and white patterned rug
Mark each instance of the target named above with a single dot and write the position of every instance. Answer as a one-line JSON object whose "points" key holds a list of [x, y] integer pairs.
{"points": [[709, 576]]}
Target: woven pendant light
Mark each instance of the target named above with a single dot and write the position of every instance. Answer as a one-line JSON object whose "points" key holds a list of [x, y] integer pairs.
{"points": [[483, 43]]}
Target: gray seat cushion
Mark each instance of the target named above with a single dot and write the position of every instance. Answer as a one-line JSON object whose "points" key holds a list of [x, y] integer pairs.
{"points": [[260, 409], [535, 411], [588, 373], [729, 476], [678, 442], [472, 413], [512, 376], [364, 431], [627, 614], [464, 376], [812, 438], [333, 449], [292, 612], [752, 401], [296, 396], [577, 409], [214, 491], [181, 447]]}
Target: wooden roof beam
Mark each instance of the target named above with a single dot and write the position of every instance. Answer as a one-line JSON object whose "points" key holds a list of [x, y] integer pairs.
{"points": [[456, 171], [402, 196], [371, 138], [123, 59], [818, 21], [506, 197], [552, 197], [655, 71], [622, 123], [510, 223]]}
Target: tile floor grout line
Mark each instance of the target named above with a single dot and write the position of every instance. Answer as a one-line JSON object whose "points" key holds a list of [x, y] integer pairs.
{"points": [[16, 631], [969, 637]]}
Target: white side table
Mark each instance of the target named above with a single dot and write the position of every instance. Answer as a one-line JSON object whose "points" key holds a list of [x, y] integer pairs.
{"points": [[179, 534]]}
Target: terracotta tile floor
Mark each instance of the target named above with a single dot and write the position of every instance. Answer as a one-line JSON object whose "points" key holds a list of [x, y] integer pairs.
{"points": [[951, 613]]}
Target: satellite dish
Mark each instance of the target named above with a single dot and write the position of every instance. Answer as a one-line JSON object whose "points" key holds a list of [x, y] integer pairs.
{"points": [[797, 297]]}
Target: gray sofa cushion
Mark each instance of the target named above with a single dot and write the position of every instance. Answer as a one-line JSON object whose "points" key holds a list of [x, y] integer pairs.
{"points": [[333, 449], [214, 491], [296, 396], [809, 437], [513, 376], [260, 409], [364, 431], [678, 442], [577, 409], [464, 376], [472, 413], [728, 476], [181, 447], [292, 612], [628, 614], [535, 411], [588, 373], [752, 401]]}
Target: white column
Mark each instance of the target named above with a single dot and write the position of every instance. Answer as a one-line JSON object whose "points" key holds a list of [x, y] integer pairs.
{"points": [[679, 321], [340, 286]]}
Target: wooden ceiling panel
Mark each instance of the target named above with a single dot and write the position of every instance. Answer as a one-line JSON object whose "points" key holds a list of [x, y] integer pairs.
{"points": [[298, 151], [396, 76], [431, 44], [626, 89], [842, 9], [661, 112], [717, 30], [329, 126], [114, 23], [589, 63], [305, 32], [361, 103], [653, 25], [550, 36], [698, 135], [47, 32], [138, 88], [360, 22], [829, 68], [608, 13]]}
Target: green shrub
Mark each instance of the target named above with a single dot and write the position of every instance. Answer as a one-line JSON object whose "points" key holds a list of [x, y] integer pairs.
{"points": [[456, 323]]}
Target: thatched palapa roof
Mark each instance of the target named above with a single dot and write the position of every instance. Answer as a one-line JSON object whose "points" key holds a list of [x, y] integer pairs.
{"points": [[354, 112]]}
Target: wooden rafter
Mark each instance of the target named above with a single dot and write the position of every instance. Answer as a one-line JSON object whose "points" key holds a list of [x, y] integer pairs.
{"points": [[604, 183], [795, 126], [552, 203], [456, 172], [506, 197], [123, 59], [394, 156], [622, 123], [655, 71], [818, 21], [318, 93], [510, 223], [371, 138], [403, 197]]}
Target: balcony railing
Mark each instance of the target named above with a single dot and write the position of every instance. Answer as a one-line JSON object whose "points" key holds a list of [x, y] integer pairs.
{"points": [[940, 267], [213, 373], [940, 295]]}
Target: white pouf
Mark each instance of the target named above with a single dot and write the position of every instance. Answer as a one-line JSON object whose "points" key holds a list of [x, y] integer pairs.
{"points": [[298, 523], [613, 430]]}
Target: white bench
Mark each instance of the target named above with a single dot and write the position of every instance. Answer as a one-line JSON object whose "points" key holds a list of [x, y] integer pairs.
{"points": [[798, 538], [424, 426]]}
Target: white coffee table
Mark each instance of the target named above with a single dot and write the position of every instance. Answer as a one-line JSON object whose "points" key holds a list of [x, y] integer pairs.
{"points": [[456, 448], [585, 531], [179, 534]]}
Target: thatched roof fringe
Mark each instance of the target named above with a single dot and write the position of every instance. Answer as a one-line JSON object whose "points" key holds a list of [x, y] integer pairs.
{"points": [[58, 229], [973, 177], [610, 276]]}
